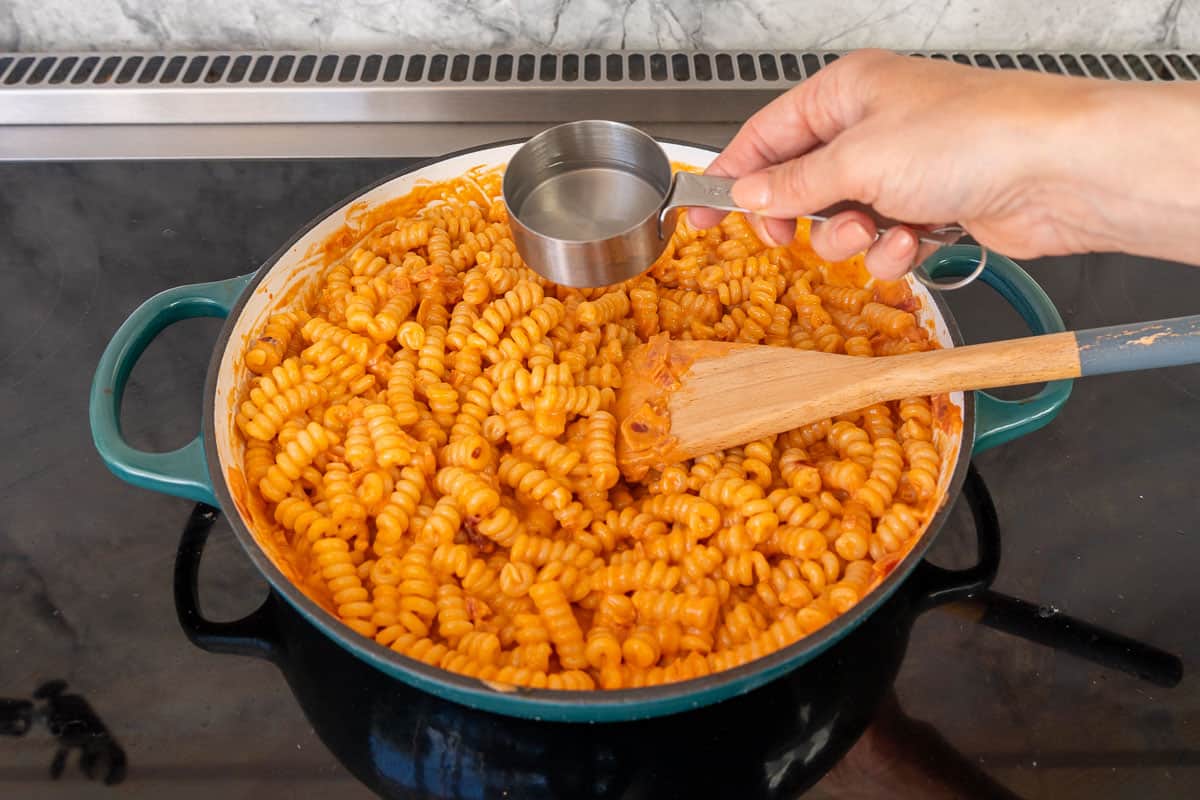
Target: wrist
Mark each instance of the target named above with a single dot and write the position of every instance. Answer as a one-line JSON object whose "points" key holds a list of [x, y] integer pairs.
{"points": [[1127, 176]]}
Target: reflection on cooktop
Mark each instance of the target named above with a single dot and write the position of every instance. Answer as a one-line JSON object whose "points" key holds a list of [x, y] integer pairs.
{"points": [[72, 722]]}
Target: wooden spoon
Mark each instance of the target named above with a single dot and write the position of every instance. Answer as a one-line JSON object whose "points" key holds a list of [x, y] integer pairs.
{"points": [[681, 399]]}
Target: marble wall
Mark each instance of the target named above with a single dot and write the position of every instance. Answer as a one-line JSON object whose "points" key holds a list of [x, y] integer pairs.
{"points": [[49, 25]]}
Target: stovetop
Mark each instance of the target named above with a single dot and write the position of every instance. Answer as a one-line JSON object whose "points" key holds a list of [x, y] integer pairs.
{"points": [[1076, 675]]}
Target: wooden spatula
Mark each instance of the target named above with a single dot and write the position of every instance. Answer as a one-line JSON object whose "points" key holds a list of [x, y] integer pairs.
{"points": [[681, 399]]}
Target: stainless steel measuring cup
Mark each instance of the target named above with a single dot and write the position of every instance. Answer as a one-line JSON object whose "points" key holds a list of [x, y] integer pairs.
{"points": [[593, 203]]}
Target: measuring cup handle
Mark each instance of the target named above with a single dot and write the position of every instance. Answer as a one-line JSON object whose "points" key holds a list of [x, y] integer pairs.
{"points": [[709, 191], [712, 191], [942, 236]]}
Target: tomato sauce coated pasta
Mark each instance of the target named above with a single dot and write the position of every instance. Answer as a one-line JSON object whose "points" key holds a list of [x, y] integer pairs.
{"points": [[430, 428]]}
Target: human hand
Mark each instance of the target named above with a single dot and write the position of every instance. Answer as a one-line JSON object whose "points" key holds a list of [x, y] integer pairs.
{"points": [[1029, 164]]}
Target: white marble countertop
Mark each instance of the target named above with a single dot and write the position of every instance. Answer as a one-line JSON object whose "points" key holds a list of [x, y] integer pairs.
{"points": [[57, 25]]}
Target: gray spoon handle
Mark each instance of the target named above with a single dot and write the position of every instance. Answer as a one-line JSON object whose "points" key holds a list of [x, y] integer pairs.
{"points": [[1141, 345]]}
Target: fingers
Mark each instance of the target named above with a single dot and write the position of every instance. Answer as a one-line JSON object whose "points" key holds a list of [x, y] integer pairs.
{"points": [[804, 185], [784, 141], [852, 232], [779, 231], [781, 193], [705, 217], [843, 235], [776, 133], [812, 113], [757, 224], [773, 232], [894, 254]]}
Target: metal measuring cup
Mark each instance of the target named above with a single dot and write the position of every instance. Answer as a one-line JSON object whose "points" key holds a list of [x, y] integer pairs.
{"points": [[593, 203]]}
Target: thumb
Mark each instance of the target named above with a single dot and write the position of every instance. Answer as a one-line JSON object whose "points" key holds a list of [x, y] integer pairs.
{"points": [[804, 185]]}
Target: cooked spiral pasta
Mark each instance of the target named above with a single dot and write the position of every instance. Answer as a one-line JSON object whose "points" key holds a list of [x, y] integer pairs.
{"points": [[643, 301], [622, 578], [393, 520], [332, 557], [663, 606], [537, 484], [527, 331], [502, 526], [263, 420], [923, 467], [291, 461], [844, 298], [539, 551], [852, 442], [887, 320], [582, 401], [259, 458], [270, 348], [471, 451], [557, 458], [321, 330], [415, 646], [853, 540], [897, 524], [564, 629], [475, 495], [298, 515], [599, 445], [516, 302], [609, 308], [701, 517], [401, 390], [393, 448], [881, 484], [858, 346], [431, 428]]}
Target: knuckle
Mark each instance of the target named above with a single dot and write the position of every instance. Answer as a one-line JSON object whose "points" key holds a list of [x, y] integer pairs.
{"points": [[864, 60], [820, 109]]}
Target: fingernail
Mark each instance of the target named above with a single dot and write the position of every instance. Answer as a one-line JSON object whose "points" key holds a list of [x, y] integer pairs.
{"points": [[852, 236], [900, 244], [753, 191], [759, 226]]}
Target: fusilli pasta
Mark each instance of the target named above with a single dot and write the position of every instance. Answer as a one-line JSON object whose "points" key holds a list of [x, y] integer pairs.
{"points": [[431, 430]]}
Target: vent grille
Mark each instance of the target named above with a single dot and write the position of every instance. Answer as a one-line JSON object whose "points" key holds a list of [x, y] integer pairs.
{"points": [[372, 104], [525, 67]]}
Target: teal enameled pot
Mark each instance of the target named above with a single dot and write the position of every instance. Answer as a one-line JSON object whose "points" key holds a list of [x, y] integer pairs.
{"points": [[200, 470]]}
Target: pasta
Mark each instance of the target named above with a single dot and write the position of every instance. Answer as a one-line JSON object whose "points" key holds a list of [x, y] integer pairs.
{"points": [[430, 432]]}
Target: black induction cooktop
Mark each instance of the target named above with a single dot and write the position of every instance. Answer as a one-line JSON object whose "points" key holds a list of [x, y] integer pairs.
{"points": [[1074, 674]]}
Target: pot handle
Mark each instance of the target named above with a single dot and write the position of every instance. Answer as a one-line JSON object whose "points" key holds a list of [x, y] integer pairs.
{"points": [[1046, 626], [999, 421], [254, 635], [967, 592], [181, 472], [936, 585]]}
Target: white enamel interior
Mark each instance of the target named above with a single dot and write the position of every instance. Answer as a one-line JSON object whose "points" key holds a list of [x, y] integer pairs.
{"points": [[296, 266]]}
